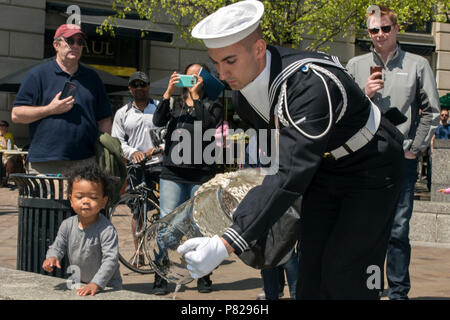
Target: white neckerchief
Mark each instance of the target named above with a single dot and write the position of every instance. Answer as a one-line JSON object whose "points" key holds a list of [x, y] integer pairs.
{"points": [[257, 91]]}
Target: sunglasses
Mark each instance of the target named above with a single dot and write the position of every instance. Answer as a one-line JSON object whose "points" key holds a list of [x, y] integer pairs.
{"points": [[139, 84], [385, 29], [444, 115], [71, 41]]}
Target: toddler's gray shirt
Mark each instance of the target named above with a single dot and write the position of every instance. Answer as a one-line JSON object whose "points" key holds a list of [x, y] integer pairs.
{"points": [[94, 250]]}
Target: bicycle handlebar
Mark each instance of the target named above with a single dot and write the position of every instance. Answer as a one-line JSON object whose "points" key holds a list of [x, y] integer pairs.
{"points": [[147, 161]]}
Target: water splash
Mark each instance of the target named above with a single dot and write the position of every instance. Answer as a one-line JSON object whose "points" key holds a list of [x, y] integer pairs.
{"points": [[177, 288]]}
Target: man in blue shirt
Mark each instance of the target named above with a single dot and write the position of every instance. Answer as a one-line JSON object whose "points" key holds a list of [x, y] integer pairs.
{"points": [[62, 131], [443, 130]]}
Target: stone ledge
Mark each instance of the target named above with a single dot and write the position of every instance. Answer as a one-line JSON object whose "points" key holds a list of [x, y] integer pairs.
{"points": [[430, 244], [22, 285], [432, 207], [430, 222], [441, 144]]}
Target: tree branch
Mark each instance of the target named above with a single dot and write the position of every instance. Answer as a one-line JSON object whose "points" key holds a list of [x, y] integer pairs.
{"points": [[315, 46]]}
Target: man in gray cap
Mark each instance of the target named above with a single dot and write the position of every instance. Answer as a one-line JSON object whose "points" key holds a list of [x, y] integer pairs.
{"points": [[335, 150], [133, 122], [132, 125]]}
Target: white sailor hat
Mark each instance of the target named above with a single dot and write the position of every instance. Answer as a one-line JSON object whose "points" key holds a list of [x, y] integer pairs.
{"points": [[229, 24]]}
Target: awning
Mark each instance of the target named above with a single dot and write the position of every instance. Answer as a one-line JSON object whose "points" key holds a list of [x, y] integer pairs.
{"points": [[91, 18], [11, 82], [129, 28]]}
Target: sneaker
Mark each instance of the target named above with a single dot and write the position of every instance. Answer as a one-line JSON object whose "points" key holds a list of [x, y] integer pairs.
{"points": [[261, 296], [204, 285], [160, 286]]}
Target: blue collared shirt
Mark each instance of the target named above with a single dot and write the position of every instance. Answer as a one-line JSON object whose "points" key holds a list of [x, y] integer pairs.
{"points": [[71, 135]]}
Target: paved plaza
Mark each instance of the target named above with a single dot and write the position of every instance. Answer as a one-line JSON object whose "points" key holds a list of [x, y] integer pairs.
{"points": [[233, 280]]}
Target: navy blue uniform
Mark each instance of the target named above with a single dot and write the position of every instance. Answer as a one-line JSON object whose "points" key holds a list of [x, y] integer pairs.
{"points": [[348, 203]]}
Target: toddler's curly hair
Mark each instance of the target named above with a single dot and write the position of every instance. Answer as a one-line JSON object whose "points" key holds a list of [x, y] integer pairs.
{"points": [[94, 173]]}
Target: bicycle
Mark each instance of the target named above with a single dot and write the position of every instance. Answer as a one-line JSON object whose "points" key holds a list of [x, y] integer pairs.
{"points": [[144, 200]]}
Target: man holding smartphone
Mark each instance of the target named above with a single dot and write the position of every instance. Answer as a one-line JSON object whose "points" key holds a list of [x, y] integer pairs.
{"points": [[63, 130], [405, 82]]}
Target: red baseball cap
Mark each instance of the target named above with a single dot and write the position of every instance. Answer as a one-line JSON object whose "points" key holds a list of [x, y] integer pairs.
{"points": [[68, 30]]}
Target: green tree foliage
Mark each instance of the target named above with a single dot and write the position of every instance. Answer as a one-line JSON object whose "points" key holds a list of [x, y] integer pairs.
{"points": [[286, 23]]}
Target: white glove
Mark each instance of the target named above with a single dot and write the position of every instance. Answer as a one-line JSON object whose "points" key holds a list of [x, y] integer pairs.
{"points": [[203, 255]]}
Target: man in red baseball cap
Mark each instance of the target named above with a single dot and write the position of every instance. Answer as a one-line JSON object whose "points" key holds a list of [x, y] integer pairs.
{"points": [[68, 43], [63, 129], [68, 30]]}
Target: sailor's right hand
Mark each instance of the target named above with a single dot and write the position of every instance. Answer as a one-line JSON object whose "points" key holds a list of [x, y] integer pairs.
{"points": [[57, 106], [49, 263], [203, 254]]}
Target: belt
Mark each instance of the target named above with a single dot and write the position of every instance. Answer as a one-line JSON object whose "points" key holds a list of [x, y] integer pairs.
{"points": [[360, 138]]}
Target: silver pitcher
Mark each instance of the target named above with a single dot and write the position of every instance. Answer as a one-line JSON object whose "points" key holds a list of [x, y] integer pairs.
{"points": [[208, 213]]}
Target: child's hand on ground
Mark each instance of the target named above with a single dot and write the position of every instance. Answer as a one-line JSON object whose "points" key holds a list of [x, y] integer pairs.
{"points": [[89, 289], [49, 263]]}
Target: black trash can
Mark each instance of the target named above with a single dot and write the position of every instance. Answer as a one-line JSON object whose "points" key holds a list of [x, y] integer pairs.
{"points": [[43, 205]]}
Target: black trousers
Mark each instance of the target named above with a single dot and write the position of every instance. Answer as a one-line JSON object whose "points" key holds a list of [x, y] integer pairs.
{"points": [[346, 222]]}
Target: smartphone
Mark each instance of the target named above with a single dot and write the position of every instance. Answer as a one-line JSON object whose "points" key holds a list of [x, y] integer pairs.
{"points": [[69, 90], [376, 69], [186, 81], [212, 87]]}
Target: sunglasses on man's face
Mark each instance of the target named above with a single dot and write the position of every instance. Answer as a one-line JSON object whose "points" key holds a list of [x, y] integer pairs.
{"points": [[385, 29], [72, 41], [444, 115], [138, 84]]}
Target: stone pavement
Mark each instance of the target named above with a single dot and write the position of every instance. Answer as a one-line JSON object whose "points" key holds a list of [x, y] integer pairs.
{"points": [[21, 285], [430, 268]]}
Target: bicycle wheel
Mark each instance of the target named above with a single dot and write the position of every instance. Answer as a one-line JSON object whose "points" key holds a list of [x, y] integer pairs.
{"points": [[131, 253]]}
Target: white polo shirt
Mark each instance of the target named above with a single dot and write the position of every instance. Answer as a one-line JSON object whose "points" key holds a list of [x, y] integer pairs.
{"points": [[132, 127]]}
